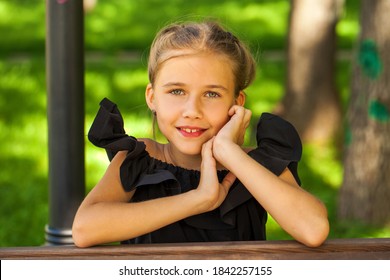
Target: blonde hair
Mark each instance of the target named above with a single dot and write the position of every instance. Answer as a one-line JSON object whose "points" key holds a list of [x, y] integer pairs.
{"points": [[203, 36]]}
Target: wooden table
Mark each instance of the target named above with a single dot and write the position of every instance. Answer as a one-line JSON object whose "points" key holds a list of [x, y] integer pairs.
{"points": [[336, 249]]}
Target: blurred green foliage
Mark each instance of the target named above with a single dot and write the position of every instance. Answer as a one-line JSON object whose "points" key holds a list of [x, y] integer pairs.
{"points": [[114, 26], [117, 37]]}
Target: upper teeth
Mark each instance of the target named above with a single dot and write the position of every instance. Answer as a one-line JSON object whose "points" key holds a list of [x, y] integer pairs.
{"points": [[189, 130]]}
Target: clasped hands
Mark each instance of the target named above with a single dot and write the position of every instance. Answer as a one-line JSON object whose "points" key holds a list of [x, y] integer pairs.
{"points": [[222, 149]]}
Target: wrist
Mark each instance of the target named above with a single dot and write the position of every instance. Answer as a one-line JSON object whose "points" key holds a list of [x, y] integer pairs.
{"points": [[198, 202], [201, 201], [224, 151]]}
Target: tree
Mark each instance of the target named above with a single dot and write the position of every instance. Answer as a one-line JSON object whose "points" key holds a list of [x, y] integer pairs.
{"points": [[365, 193], [311, 101]]}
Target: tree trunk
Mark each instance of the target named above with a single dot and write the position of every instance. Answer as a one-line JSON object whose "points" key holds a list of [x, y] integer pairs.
{"points": [[311, 101], [365, 193]]}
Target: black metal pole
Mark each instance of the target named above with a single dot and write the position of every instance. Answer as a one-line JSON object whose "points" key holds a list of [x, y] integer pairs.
{"points": [[65, 87]]}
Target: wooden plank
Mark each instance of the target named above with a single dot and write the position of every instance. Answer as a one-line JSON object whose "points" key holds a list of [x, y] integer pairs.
{"points": [[352, 249]]}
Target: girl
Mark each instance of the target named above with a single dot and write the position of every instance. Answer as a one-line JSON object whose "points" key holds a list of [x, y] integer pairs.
{"points": [[201, 185]]}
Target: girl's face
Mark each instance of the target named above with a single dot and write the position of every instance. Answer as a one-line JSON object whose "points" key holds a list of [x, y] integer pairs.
{"points": [[192, 95]]}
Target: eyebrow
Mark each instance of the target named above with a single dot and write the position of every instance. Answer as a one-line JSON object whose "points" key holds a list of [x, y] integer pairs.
{"points": [[170, 84]]}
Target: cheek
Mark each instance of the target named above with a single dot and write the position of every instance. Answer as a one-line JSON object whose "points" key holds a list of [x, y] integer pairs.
{"points": [[165, 108], [219, 116], [166, 116]]}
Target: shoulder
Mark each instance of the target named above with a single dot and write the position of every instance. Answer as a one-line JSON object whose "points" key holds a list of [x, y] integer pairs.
{"points": [[154, 148]]}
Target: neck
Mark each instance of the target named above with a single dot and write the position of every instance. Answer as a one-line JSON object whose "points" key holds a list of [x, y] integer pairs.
{"points": [[172, 156]]}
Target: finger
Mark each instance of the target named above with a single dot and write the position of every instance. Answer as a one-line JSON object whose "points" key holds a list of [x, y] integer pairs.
{"points": [[228, 181], [207, 152], [208, 146], [208, 168], [243, 117], [236, 110], [247, 117]]}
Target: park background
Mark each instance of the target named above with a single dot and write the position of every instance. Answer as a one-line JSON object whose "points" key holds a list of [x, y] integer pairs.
{"points": [[117, 36]]}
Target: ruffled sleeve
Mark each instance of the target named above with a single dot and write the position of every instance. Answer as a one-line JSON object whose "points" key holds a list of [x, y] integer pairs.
{"points": [[278, 145], [107, 131]]}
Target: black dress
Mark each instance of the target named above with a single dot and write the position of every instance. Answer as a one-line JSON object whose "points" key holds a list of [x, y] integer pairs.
{"points": [[240, 217]]}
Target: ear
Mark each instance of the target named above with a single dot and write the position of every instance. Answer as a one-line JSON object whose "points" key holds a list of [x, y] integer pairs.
{"points": [[149, 96], [240, 99]]}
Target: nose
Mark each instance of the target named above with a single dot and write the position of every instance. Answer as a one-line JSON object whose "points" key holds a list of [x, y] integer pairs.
{"points": [[192, 108]]}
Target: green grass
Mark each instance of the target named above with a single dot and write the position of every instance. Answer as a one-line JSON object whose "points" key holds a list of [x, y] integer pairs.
{"points": [[115, 28]]}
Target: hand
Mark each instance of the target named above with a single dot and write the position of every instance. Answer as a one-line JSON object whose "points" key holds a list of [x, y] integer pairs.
{"points": [[233, 132], [211, 191]]}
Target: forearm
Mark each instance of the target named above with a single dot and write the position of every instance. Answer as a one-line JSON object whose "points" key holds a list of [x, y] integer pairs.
{"points": [[299, 213], [106, 222]]}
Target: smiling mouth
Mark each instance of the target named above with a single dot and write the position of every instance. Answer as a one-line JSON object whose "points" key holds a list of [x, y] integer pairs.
{"points": [[191, 132]]}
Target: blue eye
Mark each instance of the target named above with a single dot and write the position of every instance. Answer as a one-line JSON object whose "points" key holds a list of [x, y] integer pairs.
{"points": [[212, 94], [176, 92]]}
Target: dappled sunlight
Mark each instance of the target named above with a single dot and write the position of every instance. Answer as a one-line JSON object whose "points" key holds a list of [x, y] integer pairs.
{"points": [[119, 34], [96, 162], [138, 126], [320, 171], [97, 86], [22, 91], [28, 140], [268, 88], [324, 161], [130, 29], [261, 98], [354, 229], [271, 17], [346, 28], [23, 183], [21, 26], [129, 80]]}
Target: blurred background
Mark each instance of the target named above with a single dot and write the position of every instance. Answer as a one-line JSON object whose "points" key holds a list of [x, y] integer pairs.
{"points": [[117, 38]]}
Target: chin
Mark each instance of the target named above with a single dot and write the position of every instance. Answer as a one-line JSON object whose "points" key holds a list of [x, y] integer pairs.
{"points": [[191, 150]]}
